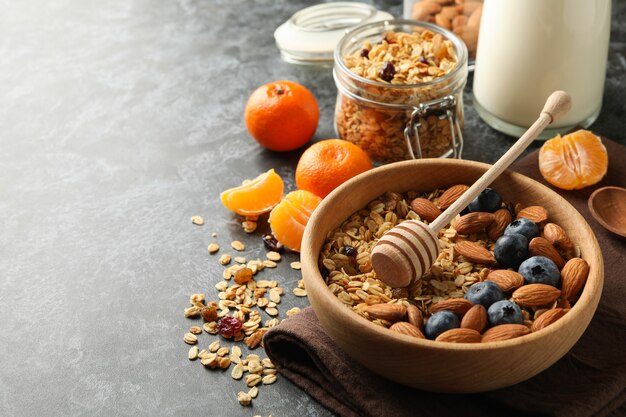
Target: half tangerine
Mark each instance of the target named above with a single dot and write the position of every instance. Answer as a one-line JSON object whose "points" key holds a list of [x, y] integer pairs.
{"points": [[254, 197], [289, 218], [573, 161]]}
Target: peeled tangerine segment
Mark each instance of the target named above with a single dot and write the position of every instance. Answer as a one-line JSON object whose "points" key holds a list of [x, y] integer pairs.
{"points": [[573, 161], [255, 197], [289, 218]]}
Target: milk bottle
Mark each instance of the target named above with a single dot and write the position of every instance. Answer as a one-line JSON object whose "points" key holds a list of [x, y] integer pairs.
{"points": [[529, 48]]}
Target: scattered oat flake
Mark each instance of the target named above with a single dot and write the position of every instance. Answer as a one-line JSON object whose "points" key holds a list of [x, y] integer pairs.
{"points": [[295, 265], [190, 338], [299, 292], [237, 245], [193, 353], [291, 312], [197, 220], [269, 264], [273, 256], [269, 379], [249, 226], [225, 259], [254, 391], [244, 398], [213, 247], [272, 311]]}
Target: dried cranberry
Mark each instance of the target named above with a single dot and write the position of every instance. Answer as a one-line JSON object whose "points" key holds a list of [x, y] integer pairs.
{"points": [[365, 53], [272, 243], [228, 326], [423, 60], [387, 72], [350, 250]]}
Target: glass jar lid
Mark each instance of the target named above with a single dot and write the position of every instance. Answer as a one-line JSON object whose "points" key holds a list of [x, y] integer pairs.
{"points": [[309, 37]]}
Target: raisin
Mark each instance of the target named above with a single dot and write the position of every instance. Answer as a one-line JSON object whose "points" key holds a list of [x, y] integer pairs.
{"points": [[209, 313], [398, 293], [350, 251], [243, 275], [387, 72], [229, 325], [365, 53], [272, 243]]}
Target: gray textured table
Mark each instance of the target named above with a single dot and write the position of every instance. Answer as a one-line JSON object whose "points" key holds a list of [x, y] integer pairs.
{"points": [[119, 120]]}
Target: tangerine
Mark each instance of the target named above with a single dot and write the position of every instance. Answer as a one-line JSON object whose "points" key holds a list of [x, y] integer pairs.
{"points": [[329, 163], [254, 197], [282, 115], [289, 218], [573, 161]]}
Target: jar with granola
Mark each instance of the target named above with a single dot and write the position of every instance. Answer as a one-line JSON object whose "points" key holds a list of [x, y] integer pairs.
{"points": [[400, 90]]}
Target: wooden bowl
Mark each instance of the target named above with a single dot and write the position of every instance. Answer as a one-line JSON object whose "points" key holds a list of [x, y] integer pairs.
{"points": [[440, 366]]}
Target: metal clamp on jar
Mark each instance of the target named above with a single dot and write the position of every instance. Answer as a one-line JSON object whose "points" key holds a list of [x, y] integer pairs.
{"points": [[400, 90]]}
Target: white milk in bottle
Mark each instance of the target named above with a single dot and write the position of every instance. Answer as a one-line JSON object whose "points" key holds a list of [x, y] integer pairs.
{"points": [[529, 48]]}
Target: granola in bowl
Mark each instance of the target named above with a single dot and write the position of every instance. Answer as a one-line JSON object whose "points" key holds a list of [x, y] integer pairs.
{"points": [[468, 261]]}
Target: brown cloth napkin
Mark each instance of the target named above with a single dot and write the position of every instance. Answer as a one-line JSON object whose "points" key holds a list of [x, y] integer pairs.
{"points": [[590, 380]]}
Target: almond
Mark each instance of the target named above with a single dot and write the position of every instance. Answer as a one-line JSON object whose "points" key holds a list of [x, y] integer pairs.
{"points": [[547, 318], [407, 328], [389, 312], [540, 246], [506, 279], [501, 219], [537, 214], [533, 295], [459, 335], [414, 316], [474, 252], [473, 222], [426, 209], [475, 318], [573, 277], [451, 195], [505, 332], [458, 306], [559, 239]]}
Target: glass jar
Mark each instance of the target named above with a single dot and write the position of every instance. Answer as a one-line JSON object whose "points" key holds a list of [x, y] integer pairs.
{"points": [[394, 121], [459, 16]]}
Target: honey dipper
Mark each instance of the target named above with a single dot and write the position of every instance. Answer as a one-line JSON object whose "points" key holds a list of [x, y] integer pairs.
{"points": [[403, 254]]}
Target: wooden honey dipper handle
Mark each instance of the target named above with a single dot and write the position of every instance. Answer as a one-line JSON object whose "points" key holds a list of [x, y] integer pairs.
{"points": [[408, 250], [556, 106]]}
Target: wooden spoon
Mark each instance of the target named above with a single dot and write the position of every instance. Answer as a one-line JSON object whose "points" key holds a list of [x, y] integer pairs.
{"points": [[408, 250], [608, 206]]}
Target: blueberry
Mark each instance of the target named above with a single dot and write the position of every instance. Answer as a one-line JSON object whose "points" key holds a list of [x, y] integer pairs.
{"points": [[540, 270], [524, 227], [485, 293], [505, 312], [488, 200], [511, 250], [440, 322]]}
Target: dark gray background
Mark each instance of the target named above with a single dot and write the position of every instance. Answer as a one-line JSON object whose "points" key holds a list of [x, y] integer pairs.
{"points": [[118, 121]]}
